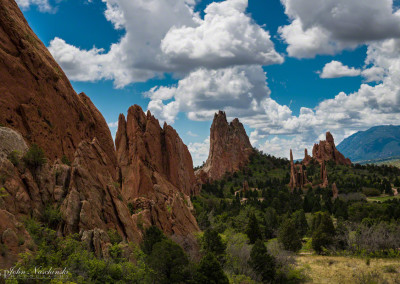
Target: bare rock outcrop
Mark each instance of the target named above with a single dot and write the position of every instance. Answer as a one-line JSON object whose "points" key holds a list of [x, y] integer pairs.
{"points": [[326, 151], [298, 175], [230, 149], [94, 200], [324, 175], [11, 141], [335, 191], [156, 173]]}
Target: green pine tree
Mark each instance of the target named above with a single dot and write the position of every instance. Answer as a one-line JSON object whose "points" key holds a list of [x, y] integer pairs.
{"points": [[253, 230], [289, 236], [262, 262], [210, 271]]}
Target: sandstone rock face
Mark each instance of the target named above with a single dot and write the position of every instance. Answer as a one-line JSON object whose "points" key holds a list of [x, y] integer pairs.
{"points": [[37, 99], [326, 151], [93, 199], [230, 149], [38, 105], [307, 158], [156, 173], [324, 175], [298, 176]]}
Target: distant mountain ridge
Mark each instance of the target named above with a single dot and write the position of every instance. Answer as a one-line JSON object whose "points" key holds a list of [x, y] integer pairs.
{"points": [[376, 143]]}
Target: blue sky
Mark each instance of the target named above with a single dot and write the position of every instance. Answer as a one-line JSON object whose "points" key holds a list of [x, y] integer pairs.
{"points": [[289, 71]]}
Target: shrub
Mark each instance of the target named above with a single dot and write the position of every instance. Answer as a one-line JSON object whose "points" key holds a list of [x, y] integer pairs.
{"points": [[3, 249], [14, 157], [52, 216], [371, 191], [131, 208], [390, 269], [115, 238], [35, 157], [3, 192], [65, 160]]}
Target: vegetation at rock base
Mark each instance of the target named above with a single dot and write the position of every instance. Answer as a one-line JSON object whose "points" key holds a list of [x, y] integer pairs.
{"points": [[257, 235], [307, 220]]}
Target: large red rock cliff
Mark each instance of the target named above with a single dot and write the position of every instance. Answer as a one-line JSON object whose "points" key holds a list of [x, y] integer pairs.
{"points": [[38, 105], [37, 98], [230, 149], [156, 173]]}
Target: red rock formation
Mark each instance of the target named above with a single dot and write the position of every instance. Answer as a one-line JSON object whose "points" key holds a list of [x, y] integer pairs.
{"points": [[324, 175], [335, 191], [156, 172], [230, 149], [298, 176], [307, 158], [326, 151], [36, 97], [93, 199], [245, 186], [38, 101]]}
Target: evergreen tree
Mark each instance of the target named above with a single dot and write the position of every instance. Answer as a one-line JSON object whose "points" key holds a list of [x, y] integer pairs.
{"points": [[289, 236], [151, 236], [262, 262], [169, 262], [212, 242], [396, 182], [210, 271], [324, 231], [253, 230], [299, 218]]}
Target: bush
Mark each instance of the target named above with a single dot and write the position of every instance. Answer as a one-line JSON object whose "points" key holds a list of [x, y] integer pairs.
{"points": [[371, 191], [52, 216], [3, 249], [131, 208], [35, 157], [3, 192], [115, 238], [14, 157], [65, 160]]}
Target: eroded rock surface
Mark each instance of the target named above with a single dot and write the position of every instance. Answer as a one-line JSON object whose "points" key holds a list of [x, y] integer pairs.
{"points": [[230, 149], [156, 173]]}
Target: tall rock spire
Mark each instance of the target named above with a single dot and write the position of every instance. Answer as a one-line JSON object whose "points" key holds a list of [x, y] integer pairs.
{"points": [[230, 149], [156, 173]]}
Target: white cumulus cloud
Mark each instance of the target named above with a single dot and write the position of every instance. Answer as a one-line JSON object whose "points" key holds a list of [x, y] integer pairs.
{"points": [[172, 38], [336, 69], [327, 27]]}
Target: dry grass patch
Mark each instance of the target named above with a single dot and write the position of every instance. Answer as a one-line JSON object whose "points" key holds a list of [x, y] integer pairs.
{"points": [[329, 269]]}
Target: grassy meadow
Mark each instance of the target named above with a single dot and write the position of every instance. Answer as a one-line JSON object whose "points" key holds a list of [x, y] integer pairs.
{"points": [[333, 269]]}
